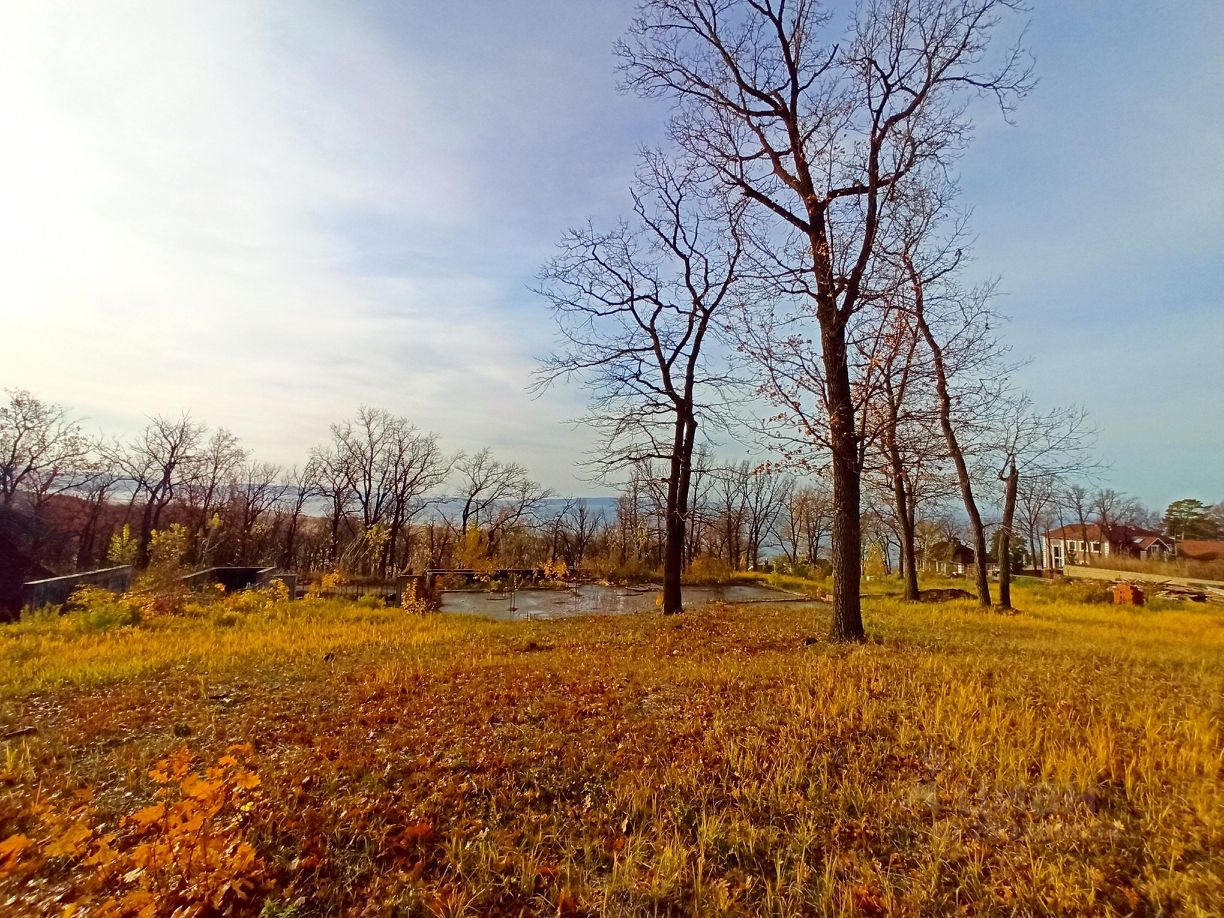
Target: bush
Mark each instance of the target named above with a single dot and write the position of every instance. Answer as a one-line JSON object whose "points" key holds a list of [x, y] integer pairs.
{"points": [[96, 609], [708, 569]]}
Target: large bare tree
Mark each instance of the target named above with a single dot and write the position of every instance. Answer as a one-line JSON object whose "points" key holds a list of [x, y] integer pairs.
{"points": [[637, 308], [823, 130]]}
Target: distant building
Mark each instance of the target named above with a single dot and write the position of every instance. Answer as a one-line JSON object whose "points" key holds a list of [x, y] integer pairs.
{"points": [[951, 558], [1076, 544]]}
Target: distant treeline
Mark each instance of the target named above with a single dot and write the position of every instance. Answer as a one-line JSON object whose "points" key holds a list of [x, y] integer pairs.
{"points": [[379, 496]]}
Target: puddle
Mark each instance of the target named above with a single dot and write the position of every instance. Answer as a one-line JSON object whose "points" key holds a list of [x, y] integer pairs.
{"points": [[596, 599]]}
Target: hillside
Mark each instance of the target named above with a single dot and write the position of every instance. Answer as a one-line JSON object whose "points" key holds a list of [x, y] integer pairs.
{"points": [[318, 758]]}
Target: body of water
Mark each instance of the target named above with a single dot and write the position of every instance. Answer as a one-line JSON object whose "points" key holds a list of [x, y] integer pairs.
{"points": [[595, 599]]}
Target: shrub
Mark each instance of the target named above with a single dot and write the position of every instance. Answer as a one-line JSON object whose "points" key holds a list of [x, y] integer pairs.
{"points": [[327, 583], [96, 609], [709, 569], [412, 603], [123, 548]]}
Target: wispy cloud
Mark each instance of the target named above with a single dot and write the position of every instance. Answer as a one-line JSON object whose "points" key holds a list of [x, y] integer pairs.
{"points": [[267, 218]]}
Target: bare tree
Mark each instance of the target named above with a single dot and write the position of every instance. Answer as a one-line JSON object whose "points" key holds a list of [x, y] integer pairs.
{"points": [[205, 487], [729, 499], [1113, 508], [823, 138], [766, 492], [967, 381], [328, 477], [1039, 445], [43, 450], [381, 467], [484, 483], [299, 490], [699, 519], [636, 308], [158, 463], [256, 490], [581, 528], [1037, 498], [517, 510], [899, 418], [96, 493], [1078, 501], [803, 524]]}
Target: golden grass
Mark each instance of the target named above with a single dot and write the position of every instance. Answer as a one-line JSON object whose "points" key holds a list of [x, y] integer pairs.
{"points": [[1064, 760]]}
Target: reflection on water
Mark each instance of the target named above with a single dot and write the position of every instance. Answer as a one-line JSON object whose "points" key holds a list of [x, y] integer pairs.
{"points": [[595, 599]]}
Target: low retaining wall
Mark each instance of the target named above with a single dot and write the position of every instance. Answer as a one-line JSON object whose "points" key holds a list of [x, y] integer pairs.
{"points": [[239, 578], [54, 591], [1075, 572]]}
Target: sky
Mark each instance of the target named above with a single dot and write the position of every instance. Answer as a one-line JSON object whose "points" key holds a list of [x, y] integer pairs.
{"points": [[271, 213]]}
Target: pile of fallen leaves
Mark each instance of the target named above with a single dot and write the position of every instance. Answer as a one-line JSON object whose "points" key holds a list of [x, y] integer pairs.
{"points": [[184, 853]]}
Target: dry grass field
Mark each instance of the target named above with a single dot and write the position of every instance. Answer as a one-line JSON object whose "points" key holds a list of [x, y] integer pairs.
{"points": [[260, 757]]}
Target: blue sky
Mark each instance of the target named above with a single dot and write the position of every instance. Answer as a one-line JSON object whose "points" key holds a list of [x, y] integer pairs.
{"points": [[272, 213]]}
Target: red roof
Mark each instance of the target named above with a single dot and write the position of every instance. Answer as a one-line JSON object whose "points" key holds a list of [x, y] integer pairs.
{"points": [[1129, 536], [1091, 532], [1201, 549]]}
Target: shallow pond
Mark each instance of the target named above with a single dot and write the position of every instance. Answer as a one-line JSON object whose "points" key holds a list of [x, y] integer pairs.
{"points": [[596, 599]]}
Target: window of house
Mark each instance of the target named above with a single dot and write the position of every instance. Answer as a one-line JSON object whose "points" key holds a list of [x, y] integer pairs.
{"points": [[1096, 546]]}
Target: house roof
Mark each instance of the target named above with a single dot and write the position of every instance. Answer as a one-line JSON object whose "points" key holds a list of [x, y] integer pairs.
{"points": [[1201, 549], [1146, 542], [953, 551], [1093, 532]]}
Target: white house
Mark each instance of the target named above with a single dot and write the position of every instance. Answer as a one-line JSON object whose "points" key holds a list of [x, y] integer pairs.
{"points": [[1076, 544]]}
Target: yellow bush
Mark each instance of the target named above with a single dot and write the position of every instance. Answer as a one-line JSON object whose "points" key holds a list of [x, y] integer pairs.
{"points": [[709, 569], [96, 609], [411, 602], [123, 548], [554, 570]]}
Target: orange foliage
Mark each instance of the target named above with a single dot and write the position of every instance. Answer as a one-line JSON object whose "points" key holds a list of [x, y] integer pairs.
{"points": [[184, 854]]}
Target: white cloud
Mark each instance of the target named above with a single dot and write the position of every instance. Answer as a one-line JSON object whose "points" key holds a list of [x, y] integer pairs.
{"points": [[194, 195]]}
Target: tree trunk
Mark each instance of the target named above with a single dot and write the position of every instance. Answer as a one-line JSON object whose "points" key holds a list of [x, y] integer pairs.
{"points": [[909, 568], [958, 459], [847, 525], [1005, 536], [146, 533], [678, 479]]}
